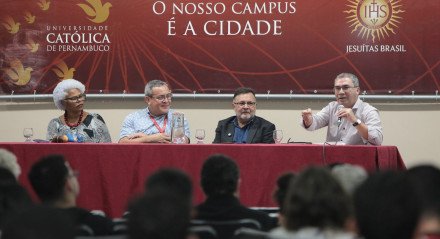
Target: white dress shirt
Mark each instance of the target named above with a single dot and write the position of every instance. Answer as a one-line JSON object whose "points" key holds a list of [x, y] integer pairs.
{"points": [[346, 133]]}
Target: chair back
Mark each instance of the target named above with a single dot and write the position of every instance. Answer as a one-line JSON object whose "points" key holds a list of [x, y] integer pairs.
{"points": [[226, 229], [248, 233], [204, 232]]}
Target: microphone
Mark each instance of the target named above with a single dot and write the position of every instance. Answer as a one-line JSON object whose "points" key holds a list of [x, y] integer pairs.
{"points": [[339, 118]]}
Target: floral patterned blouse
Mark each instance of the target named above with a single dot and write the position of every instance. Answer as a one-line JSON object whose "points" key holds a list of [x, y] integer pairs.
{"points": [[91, 130]]}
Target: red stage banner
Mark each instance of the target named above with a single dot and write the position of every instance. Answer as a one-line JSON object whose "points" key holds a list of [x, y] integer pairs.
{"points": [[296, 46]]}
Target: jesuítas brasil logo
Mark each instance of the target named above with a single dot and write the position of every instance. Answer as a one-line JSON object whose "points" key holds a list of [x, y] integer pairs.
{"points": [[374, 18]]}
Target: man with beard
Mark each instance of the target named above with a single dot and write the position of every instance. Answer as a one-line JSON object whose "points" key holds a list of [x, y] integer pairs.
{"points": [[152, 124], [244, 127], [349, 119]]}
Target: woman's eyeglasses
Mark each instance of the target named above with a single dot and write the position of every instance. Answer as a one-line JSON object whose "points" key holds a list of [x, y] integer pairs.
{"points": [[80, 97]]}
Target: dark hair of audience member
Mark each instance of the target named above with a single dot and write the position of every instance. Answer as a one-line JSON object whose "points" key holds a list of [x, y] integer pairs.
{"points": [[425, 180], [48, 177], [13, 197], [7, 177], [280, 193], [386, 207], [170, 179], [219, 175], [39, 222], [160, 215], [316, 199]]}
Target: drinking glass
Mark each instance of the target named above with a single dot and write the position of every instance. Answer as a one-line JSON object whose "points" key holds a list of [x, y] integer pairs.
{"points": [[277, 136], [200, 135], [28, 133], [177, 128]]}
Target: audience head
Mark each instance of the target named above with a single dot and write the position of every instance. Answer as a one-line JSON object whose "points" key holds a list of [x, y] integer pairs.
{"points": [[349, 176], [159, 215], [282, 186], [316, 199], [425, 180], [53, 179], [219, 176], [158, 97], [9, 161], [6, 177], [39, 222], [244, 104], [13, 197], [63, 89], [386, 207], [170, 179]]}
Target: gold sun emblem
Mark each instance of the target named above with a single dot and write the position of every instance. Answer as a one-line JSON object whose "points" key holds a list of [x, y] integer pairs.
{"points": [[374, 18]]}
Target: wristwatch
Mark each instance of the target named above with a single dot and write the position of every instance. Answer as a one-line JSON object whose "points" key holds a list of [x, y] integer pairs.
{"points": [[358, 122]]}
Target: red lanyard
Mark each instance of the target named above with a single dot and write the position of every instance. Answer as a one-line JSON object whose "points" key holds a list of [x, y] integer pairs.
{"points": [[161, 130]]}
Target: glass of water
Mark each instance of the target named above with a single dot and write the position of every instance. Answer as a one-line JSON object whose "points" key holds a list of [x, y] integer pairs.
{"points": [[277, 136], [200, 135], [28, 133]]}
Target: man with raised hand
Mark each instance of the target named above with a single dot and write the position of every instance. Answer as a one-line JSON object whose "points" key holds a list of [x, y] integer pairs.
{"points": [[349, 119]]}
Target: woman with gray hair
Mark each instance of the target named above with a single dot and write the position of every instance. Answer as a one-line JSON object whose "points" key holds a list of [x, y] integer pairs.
{"points": [[8, 160], [77, 124]]}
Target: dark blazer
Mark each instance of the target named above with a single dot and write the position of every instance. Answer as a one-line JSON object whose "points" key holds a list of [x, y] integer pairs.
{"points": [[261, 131]]}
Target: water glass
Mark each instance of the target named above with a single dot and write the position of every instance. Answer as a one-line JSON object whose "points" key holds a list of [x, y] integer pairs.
{"points": [[28, 133], [200, 135], [277, 136], [177, 128]]}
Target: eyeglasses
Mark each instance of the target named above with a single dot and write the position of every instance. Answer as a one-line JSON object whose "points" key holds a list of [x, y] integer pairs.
{"points": [[344, 88], [162, 98], [243, 103], [80, 97]]}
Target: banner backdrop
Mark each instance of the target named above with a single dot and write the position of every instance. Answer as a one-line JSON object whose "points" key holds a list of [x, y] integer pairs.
{"points": [[297, 46]]}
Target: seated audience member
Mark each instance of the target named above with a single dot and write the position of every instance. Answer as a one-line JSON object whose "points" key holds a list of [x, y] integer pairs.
{"points": [[160, 215], [8, 160], [39, 222], [244, 127], [282, 186], [349, 176], [13, 197], [6, 177], [219, 180], [56, 184], [171, 179], [280, 193], [349, 120], [77, 124], [316, 207], [425, 180], [386, 207], [152, 124]]}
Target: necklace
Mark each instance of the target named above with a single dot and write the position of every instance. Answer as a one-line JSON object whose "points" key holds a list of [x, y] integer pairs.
{"points": [[75, 124]]}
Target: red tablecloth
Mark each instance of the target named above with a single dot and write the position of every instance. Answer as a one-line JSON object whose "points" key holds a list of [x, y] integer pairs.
{"points": [[111, 174]]}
